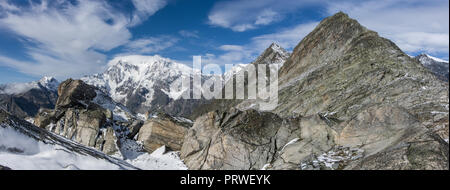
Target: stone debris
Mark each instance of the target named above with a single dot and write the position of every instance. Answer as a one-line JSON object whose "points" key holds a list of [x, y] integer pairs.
{"points": [[335, 159]]}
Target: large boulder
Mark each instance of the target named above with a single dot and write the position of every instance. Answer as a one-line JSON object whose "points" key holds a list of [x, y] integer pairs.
{"points": [[163, 130], [73, 93], [79, 118]]}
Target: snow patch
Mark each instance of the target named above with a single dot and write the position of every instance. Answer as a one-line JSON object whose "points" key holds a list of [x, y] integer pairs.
{"points": [[20, 152]]}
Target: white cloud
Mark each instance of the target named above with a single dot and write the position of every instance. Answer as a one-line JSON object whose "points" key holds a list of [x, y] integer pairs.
{"points": [[65, 39], [150, 44], [145, 9], [287, 38], [189, 34], [231, 48], [414, 25], [242, 15]]}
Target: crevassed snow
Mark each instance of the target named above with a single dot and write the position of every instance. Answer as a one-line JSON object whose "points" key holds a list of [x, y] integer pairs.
{"points": [[19, 152]]}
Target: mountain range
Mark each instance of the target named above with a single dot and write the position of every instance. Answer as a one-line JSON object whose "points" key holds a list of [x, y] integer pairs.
{"points": [[347, 99]]}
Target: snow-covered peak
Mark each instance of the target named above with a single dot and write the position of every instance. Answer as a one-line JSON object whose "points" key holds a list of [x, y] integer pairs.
{"points": [[137, 80], [436, 59], [428, 59], [144, 63], [49, 82], [274, 54], [277, 48]]}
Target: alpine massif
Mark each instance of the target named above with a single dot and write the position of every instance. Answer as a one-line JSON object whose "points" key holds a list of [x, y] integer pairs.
{"points": [[347, 99]]}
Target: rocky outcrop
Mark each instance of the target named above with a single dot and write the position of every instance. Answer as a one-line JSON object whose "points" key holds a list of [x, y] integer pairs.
{"points": [[78, 118], [163, 130], [74, 93]]}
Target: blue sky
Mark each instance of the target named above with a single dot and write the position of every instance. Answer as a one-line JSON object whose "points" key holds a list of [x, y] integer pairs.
{"points": [[73, 38]]}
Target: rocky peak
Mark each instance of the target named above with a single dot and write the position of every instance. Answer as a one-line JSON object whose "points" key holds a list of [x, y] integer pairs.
{"points": [[274, 54], [325, 43], [437, 66], [49, 83], [428, 59]]}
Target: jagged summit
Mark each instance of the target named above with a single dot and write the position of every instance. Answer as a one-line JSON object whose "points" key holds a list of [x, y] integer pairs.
{"points": [[425, 56], [274, 54], [49, 82], [437, 66], [331, 39]]}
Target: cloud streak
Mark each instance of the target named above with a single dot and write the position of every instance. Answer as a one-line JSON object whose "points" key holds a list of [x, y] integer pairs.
{"points": [[243, 15], [67, 39], [150, 44]]}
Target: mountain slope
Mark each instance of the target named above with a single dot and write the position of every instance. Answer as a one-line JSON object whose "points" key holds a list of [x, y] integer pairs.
{"points": [[25, 99], [344, 89], [438, 66]]}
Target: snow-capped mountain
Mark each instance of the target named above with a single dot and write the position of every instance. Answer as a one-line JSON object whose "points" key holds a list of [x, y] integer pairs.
{"points": [[438, 66], [45, 83], [142, 83], [25, 99]]}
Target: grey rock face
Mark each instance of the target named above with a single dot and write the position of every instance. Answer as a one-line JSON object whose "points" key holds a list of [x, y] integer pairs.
{"points": [[250, 139]]}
